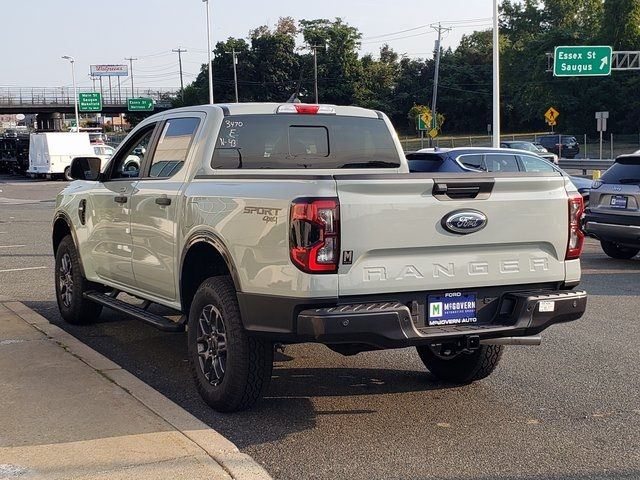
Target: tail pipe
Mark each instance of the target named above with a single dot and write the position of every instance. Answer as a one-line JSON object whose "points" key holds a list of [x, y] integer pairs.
{"points": [[532, 340]]}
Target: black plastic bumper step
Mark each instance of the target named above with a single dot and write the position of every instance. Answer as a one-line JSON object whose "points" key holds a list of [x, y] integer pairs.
{"points": [[157, 321]]}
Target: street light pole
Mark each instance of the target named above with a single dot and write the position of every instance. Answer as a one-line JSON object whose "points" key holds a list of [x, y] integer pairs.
{"points": [[75, 89], [496, 77], [209, 54]]}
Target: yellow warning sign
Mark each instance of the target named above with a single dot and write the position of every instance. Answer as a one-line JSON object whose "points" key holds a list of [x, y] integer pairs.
{"points": [[551, 115], [433, 133]]}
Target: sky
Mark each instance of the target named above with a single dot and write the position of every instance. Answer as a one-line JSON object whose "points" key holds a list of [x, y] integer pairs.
{"points": [[37, 33]]}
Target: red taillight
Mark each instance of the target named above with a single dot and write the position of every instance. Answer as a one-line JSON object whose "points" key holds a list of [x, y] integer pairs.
{"points": [[314, 238], [576, 236]]}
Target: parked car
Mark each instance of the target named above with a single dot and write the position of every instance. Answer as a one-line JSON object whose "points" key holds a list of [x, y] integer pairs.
{"points": [[565, 146], [287, 223], [488, 160], [530, 147], [613, 216]]}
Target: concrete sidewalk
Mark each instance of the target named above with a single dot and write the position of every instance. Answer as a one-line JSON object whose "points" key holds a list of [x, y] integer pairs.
{"points": [[68, 412]]}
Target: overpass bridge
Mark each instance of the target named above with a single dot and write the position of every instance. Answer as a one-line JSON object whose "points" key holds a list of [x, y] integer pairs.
{"points": [[48, 101]]}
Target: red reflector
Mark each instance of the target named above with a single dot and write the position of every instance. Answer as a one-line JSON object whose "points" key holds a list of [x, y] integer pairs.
{"points": [[576, 235], [306, 109]]}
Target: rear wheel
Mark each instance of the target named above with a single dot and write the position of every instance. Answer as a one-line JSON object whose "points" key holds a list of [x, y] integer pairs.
{"points": [[463, 367], [67, 174], [617, 251], [71, 286], [231, 368]]}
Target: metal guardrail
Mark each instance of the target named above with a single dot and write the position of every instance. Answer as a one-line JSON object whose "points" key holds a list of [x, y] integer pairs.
{"points": [[585, 164]]}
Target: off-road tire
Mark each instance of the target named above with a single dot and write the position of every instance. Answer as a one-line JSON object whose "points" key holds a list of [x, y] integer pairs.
{"points": [[462, 368], [248, 359], [75, 309], [618, 252]]}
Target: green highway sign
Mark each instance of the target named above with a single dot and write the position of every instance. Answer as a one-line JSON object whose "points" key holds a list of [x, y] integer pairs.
{"points": [[424, 121], [90, 102], [140, 104], [582, 61]]}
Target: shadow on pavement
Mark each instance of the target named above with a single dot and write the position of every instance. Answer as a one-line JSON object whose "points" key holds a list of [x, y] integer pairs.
{"points": [[160, 359]]}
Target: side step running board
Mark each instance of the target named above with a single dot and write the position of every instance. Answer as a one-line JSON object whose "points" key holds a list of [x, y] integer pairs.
{"points": [[158, 321]]}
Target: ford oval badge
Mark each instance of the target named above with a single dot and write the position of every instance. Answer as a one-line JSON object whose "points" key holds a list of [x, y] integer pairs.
{"points": [[464, 222]]}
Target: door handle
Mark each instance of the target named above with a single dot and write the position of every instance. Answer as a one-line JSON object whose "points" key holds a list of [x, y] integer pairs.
{"points": [[120, 199], [164, 201]]}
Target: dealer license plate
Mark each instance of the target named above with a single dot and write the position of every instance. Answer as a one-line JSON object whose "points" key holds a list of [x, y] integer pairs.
{"points": [[619, 201], [453, 308]]}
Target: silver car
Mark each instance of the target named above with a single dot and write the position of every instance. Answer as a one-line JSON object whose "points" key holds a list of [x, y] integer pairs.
{"points": [[613, 216]]}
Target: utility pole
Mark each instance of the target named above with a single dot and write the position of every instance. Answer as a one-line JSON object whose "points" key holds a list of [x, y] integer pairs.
{"points": [[436, 73], [315, 68], [131, 59], [179, 52], [234, 57], [496, 76]]}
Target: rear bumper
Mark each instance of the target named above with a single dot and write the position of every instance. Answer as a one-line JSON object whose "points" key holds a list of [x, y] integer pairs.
{"points": [[394, 324], [603, 227]]}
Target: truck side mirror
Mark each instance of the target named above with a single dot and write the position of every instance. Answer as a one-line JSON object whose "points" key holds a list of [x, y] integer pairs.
{"points": [[85, 168]]}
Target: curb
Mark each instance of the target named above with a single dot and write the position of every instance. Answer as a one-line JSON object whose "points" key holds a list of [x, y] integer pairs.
{"points": [[238, 465]]}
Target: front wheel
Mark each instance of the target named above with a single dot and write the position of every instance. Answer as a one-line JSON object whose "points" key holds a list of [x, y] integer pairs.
{"points": [[71, 286], [231, 368], [461, 368], [617, 251], [67, 174]]}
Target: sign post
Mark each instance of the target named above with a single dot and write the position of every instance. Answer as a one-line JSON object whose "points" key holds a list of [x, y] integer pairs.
{"points": [[601, 120], [90, 102], [582, 61]]}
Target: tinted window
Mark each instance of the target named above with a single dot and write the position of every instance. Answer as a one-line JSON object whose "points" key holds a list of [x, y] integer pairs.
{"points": [[535, 164], [424, 162], [501, 163], [173, 146], [473, 161], [303, 141], [623, 171]]}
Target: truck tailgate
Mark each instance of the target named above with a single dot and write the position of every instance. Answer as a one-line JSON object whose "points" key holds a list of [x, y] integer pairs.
{"points": [[393, 239]]}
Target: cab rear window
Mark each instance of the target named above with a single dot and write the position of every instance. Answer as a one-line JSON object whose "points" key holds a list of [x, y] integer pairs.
{"points": [[303, 141], [624, 170]]}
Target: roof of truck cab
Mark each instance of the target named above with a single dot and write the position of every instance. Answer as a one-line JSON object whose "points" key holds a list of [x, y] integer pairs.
{"points": [[267, 109]]}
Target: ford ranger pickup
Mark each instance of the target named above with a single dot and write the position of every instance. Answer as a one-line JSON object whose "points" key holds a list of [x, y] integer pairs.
{"points": [[269, 224]]}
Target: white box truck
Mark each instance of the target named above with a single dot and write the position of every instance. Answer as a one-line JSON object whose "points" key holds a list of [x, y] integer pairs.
{"points": [[50, 153]]}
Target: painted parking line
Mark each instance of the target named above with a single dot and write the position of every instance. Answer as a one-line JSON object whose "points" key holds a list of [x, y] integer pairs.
{"points": [[12, 246], [21, 269]]}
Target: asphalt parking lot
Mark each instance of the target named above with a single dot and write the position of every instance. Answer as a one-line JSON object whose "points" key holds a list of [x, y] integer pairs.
{"points": [[569, 409]]}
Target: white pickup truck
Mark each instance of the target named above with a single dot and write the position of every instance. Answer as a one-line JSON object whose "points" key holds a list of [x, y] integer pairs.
{"points": [[284, 223]]}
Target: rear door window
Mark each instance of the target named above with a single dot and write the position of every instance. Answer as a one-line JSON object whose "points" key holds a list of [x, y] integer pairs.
{"points": [[303, 141]]}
